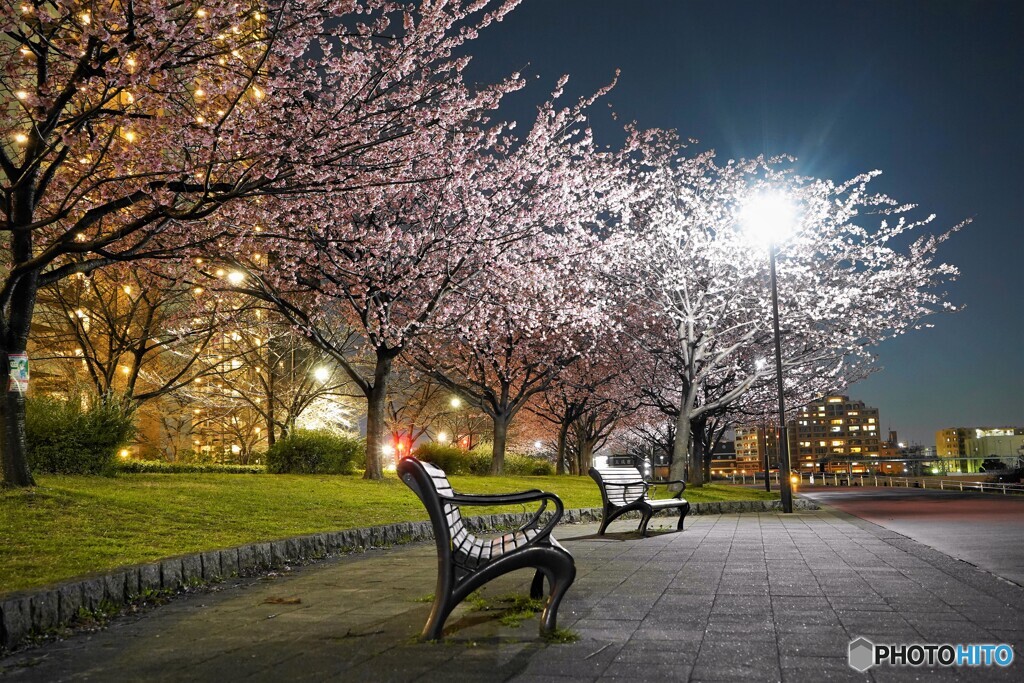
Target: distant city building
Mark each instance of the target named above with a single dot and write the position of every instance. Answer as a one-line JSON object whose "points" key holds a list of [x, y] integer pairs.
{"points": [[832, 434], [973, 449], [751, 445]]}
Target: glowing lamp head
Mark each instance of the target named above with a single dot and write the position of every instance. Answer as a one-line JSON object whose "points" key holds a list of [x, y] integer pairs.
{"points": [[769, 217], [388, 449], [322, 374], [442, 437], [456, 402], [236, 278]]}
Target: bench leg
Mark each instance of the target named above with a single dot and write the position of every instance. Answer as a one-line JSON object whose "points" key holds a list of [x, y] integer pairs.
{"points": [[605, 520], [560, 578], [443, 606], [643, 522], [683, 511], [537, 587]]}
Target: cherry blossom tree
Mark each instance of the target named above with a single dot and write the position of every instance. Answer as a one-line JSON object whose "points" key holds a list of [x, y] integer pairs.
{"points": [[845, 283], [588, 398], [125, 125], [369, 272]]}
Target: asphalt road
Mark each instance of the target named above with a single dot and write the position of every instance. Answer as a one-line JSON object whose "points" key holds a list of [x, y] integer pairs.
{"points": [[985, 530]]}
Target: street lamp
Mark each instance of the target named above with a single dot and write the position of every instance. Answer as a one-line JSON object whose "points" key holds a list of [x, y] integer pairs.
{"points": [[771, 216]]}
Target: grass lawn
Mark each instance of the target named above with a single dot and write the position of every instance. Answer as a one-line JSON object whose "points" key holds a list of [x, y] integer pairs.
{"points": [[73, 525]]}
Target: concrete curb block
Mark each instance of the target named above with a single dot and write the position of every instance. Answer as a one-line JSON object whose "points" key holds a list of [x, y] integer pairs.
{"points": [[31, 613]]}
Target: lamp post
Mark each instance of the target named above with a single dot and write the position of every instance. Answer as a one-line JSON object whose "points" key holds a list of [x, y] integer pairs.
{"points": [[772, 216]]}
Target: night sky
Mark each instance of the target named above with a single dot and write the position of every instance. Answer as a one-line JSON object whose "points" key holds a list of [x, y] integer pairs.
{"points": [[931, 92]]}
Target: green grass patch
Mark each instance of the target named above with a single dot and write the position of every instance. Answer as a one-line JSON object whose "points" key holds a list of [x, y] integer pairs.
{"points": [[68, 526]]}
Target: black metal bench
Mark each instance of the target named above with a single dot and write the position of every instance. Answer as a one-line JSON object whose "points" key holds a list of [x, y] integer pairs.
{"points": [[624, 489], [465, 562]]}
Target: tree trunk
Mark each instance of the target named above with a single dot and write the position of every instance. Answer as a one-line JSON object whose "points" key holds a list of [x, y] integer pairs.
{"points": [[15, 447], [586, 456], [681, 449], [697, 465], [12, 410], [563, 433], [500, 440], [376, 416]]}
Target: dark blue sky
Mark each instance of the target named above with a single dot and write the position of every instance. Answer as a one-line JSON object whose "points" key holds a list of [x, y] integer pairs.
{"points": [[929, 91]]}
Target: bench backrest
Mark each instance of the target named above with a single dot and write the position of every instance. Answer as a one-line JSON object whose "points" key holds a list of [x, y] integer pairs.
{"points": [[429, 482], [619, 495]]}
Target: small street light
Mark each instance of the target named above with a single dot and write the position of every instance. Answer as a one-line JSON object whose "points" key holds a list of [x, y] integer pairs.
{"points": [[771, 217]]}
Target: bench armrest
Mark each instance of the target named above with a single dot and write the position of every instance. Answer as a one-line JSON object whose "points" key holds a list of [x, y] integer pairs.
{"points": [[627, 484], [679, 494], [497, 498], [512, 499]]}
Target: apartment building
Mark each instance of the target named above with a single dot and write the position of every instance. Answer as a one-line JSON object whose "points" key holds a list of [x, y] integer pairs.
{"points": [[832, 434]]}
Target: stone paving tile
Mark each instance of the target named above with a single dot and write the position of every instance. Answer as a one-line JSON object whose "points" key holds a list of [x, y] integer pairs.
{"points": [[735, 597]]}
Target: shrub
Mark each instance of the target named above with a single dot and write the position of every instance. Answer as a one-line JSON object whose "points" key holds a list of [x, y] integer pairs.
{"points": [[315, 452], [527, 465], [161, 467], [454, 460], [451, 459], [66, 438]]}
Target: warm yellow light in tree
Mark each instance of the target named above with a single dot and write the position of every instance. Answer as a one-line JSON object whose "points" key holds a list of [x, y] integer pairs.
{"points": [[199, 92], [125, 369], [219, 272], [130, 62], [200, 119], [20, 138], [442, 437], [198, 290], [86, 19], [127, 289], [257, 93], [236, 278], [456, 402], [322, 374], [20, 94], [130, 136], [25, 51], [124, 453], [201, 13], [26, 9]]}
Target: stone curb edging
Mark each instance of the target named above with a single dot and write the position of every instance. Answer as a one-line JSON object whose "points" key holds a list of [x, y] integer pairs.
{"points": [[31, 613]]}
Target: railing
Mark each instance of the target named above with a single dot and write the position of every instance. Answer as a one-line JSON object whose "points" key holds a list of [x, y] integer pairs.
{"points": [[836, 479]]}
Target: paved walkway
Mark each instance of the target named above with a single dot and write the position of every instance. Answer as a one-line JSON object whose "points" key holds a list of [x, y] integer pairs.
{"points": [[986, 530], [734, 597]]}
